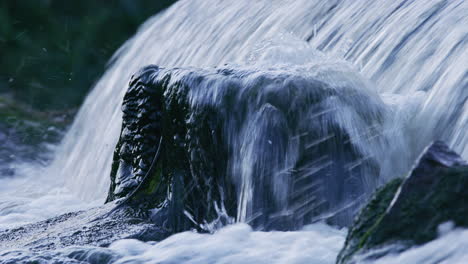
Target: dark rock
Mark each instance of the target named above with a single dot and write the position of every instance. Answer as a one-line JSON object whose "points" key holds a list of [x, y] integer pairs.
{"points": [[140, 136], [186, 133], [408, 214], [368, 220]]}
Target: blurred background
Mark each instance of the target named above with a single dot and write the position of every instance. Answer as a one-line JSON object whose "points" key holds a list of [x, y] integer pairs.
{"points": [[51, 53]]}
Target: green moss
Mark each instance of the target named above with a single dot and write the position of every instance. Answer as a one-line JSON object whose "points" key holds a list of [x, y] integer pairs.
{"points": [[420, 211], [432, 195], [369, 232], [368, 220], [155, 180]]}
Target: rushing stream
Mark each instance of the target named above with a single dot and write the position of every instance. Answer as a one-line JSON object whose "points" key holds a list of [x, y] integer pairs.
{"points": [[409, 56]]}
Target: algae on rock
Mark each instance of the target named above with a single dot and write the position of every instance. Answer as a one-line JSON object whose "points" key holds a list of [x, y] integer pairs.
{"points": [[434, 193]]}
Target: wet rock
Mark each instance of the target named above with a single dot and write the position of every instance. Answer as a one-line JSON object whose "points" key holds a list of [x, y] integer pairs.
{"points": [[267, 146], [140, 136], [99, 226], [412, 211]]}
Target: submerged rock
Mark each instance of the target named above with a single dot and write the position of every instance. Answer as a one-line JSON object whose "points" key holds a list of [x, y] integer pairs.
{"points": [[412, 211], [276, 148]]}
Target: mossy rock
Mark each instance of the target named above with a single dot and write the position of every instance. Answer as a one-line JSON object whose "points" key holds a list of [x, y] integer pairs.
{"points": [[368, 220], [408, 214], [152, 158], [25, 125], [190, 137]]}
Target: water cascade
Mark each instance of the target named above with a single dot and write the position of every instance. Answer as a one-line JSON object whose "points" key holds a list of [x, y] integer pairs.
{"points": [[305, 94], [408, 55], [426, 90]]}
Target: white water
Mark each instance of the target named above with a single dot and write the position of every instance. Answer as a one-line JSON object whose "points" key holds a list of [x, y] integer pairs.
{"points": [[191, 33], [238, 244], [24, 199], [314, 244], [317, 244], [414, 53]]}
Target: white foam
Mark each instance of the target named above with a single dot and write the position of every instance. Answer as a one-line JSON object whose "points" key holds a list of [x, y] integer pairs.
{"points": [[448, 249], [33, 196], [316, 244]]}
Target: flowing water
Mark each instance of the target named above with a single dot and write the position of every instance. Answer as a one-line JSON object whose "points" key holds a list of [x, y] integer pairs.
{"points": [[410, 55], [414, 53]]}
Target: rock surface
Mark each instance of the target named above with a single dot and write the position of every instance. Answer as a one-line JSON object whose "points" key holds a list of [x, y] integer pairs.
{"points": [[195, 142], [140, 136], [99, 226], [409, 212]]}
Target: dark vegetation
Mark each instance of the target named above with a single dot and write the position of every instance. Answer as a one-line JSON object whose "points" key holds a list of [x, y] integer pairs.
{"points": [[52, 51]]}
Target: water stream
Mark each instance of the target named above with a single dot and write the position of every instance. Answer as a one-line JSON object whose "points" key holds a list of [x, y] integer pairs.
{"points": [[411, 56]]}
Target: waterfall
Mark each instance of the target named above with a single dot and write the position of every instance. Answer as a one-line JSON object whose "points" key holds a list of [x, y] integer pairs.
{"points": [[411, 53]]}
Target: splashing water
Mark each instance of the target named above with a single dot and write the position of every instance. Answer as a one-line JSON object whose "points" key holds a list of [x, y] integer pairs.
{"points": [[175, 38], [412, 53], [412, 50], [314, 244]]}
